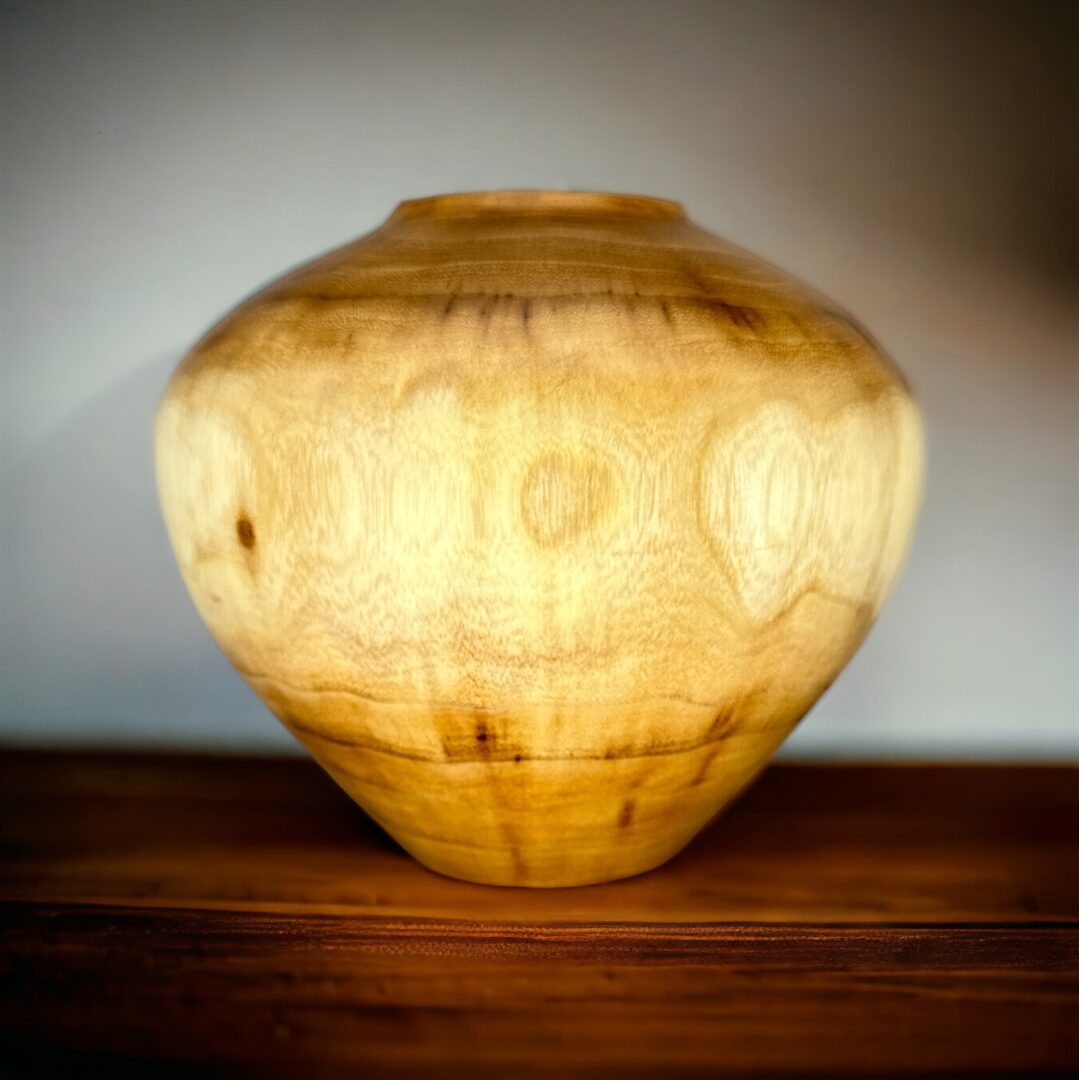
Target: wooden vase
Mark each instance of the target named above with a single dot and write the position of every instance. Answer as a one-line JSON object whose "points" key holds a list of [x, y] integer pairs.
{"points": [[540, 519]]}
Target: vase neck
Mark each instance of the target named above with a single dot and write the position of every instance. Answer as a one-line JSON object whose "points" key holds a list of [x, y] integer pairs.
{"points": [[538, 203]]}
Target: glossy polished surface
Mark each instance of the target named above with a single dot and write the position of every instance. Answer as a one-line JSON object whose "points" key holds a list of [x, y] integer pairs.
{"points": [[540, 518]]}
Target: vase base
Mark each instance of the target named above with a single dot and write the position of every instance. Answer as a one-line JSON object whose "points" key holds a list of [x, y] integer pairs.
{"points": [[549, 823], [522, 872]]}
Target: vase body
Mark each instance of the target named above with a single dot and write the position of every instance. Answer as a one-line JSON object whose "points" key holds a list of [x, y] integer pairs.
{"points": [[540, 519]]}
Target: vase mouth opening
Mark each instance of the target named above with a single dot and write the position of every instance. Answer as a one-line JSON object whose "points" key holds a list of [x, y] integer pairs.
{"points": [[539, 203]]}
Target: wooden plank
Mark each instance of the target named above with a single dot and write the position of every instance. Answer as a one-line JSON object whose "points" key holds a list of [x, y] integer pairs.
{"points": [[821, 844], [241, 914]]}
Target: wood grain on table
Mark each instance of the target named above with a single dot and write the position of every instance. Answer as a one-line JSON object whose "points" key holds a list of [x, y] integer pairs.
{"points": [[241, 915]]}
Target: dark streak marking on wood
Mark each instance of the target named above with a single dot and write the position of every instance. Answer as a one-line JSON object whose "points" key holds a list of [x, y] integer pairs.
{"points": [[706, 764], [245, 531], [485, 738], [745, 317]]}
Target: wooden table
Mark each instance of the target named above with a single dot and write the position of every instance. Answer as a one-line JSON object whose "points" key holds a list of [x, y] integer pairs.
{"points": [[242, 916]]}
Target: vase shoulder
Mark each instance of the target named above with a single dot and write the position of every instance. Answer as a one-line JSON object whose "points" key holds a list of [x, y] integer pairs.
{"points": [[531, 277]]}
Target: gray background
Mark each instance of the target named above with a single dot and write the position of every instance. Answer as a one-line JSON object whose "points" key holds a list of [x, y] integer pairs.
{"points": [[914, 161]]}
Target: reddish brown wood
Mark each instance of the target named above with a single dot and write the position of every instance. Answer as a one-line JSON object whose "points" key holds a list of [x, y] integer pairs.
{"points": [[243, 915]]}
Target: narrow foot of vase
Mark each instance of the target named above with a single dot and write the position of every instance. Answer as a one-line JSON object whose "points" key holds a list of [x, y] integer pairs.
{"points": [[512, 867], [545, 823]]}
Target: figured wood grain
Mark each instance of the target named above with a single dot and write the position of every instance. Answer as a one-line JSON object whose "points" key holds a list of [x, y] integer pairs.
{"points": [[540, 519], [241, 916]]}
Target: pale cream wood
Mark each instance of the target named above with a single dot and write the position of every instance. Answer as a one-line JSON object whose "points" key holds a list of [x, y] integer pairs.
{"points": [[540, 518]]}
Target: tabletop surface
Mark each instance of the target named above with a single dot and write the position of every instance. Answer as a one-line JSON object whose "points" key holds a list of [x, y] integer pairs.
{"points": [[241, 916]]}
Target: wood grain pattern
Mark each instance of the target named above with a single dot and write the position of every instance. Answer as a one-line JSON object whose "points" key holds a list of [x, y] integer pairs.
{"points": [[540, 519], [243, 917]]}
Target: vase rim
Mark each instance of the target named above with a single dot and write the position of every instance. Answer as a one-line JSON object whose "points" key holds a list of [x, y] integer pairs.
{"points": [[538, 202]]}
